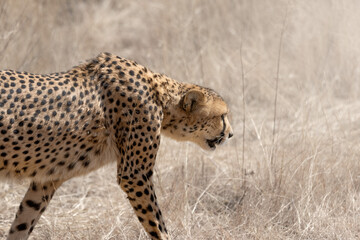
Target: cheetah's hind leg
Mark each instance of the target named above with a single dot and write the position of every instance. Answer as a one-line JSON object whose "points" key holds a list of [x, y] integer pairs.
{"points": [[32, 206]]}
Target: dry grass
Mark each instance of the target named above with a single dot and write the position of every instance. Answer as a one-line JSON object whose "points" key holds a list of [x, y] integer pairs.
{"points": [[301, 181]]}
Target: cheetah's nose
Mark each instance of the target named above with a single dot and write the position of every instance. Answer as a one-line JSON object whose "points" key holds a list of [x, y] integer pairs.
{"points": [[230, 135]]}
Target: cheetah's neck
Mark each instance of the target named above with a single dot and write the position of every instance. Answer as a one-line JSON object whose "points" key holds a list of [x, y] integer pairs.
{"points": [[169, 93]]}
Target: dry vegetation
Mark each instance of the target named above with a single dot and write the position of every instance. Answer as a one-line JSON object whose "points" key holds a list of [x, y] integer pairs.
{"points": [[299, 180]]}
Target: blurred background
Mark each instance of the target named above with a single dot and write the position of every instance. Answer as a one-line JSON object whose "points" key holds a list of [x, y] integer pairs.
{"points": [[290, 73]]}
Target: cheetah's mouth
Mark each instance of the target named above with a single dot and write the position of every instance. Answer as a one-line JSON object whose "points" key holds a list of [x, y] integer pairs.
{"points": [[213, 142]]}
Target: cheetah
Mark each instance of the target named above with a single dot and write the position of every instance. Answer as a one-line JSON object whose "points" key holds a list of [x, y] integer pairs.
{"points": [[57, 126]]}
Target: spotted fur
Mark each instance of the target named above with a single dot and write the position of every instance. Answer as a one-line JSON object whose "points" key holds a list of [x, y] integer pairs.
{"points": [[57, 126]]}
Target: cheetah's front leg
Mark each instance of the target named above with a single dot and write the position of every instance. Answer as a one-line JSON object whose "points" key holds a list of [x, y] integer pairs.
{"points": [[142, 197], [135, 168], [32, 206]]}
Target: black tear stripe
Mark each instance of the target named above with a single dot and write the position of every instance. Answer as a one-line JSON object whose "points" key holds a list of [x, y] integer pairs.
{"points": [[224, 126]]}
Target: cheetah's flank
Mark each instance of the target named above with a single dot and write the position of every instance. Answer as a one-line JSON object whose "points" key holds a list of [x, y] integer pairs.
{"points": [[57, 126]]}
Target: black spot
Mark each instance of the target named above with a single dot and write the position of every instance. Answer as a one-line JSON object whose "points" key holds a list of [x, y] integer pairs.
{"points": [[51, 171], [149, 208], [154, 234], [33, 204], [71, 166], [146, 191], [149, 174], [21, 208], [21, 227], [33, 187]]}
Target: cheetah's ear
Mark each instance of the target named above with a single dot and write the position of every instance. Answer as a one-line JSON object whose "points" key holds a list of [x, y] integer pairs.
{"points": [[192, 100]]}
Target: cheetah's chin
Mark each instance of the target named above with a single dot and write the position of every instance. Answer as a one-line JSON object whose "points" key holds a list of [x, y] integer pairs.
{"points": [[213, 142], [211, 145]]}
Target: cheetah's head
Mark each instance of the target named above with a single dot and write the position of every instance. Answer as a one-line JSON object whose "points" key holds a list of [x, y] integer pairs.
{"points": [[202, 118]]}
